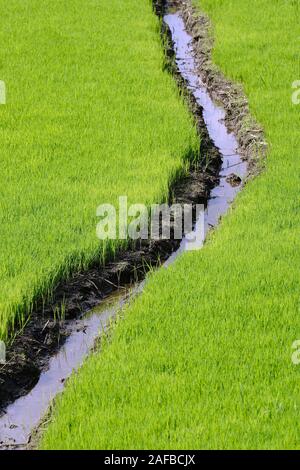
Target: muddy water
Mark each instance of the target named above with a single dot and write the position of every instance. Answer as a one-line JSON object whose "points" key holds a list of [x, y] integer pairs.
{"points": [[17, 424]]}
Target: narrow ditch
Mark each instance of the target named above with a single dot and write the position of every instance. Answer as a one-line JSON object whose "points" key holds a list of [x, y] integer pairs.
{"points": [[47, 351]]}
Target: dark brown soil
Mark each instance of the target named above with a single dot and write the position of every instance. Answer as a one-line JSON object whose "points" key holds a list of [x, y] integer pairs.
{"points": [[234, 180]]}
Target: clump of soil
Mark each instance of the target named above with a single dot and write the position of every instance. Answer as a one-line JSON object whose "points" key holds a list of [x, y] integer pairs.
{"points": [[234, 180]]}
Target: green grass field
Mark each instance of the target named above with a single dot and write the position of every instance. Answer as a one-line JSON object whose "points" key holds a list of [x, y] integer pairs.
{"points": [[90, 115], [203, 357]]}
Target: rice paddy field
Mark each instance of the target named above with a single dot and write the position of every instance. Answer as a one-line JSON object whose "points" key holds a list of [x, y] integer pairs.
{"points": [[90, 115], [203, 357]]}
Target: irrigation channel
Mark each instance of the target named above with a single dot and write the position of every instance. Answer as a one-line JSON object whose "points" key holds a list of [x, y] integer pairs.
{"points": [[23, 416]]}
